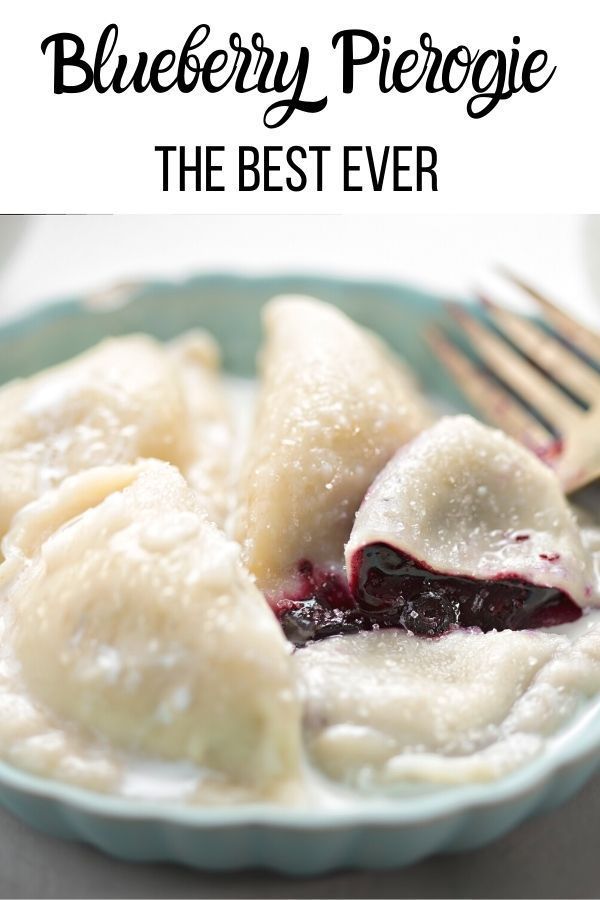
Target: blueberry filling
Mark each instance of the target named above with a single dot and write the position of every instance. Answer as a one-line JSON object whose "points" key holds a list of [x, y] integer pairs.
{"points": [[389, 584], [320, 607], [389, 589], [312, 620]]}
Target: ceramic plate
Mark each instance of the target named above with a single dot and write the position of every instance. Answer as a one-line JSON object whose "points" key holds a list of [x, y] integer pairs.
{"points": [[377, 834]]}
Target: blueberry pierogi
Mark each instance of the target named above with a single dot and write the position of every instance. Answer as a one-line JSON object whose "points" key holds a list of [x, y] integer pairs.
{"points": [[334, 405], [371, 600], [465, 527], [125, 398], [126, 607]]}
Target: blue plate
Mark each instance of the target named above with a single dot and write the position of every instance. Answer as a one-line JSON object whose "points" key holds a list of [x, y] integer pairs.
{"points": [[381, 834]]}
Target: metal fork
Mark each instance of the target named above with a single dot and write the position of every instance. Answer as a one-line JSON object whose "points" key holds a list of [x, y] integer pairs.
{"points": [[558, 417]]}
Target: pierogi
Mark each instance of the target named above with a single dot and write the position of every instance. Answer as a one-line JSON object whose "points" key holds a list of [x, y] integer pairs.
{"points": [[404, 604], [472, 525], [334, 405], [132, 618], [126, 398], [388, 707]]}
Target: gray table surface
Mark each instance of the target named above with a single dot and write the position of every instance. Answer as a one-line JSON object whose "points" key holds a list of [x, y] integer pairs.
{"points": [[553, 856]]}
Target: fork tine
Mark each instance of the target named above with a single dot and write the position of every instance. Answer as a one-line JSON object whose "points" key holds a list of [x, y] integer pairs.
{"points": [[495, 404], [535, 389], [582, 337], [581, 379]]}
